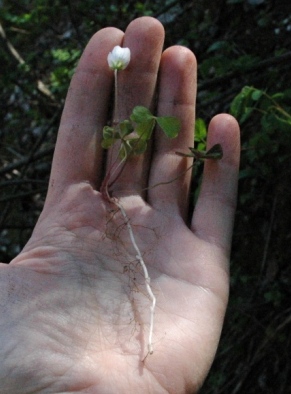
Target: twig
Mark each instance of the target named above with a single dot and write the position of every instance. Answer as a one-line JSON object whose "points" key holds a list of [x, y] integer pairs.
{"points": [[41, 87], [268, 240], [22, 195], [26, 160], [13, 182]]}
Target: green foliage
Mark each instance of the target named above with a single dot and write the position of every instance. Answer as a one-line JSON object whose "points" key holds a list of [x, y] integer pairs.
{"points": [[273, 139], [259, 301], [200, 134], [133, 134], [143, 122]]}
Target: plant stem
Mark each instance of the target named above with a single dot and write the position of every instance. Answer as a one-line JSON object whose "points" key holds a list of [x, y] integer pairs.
{"points": [[145, 272], [115, 95]]}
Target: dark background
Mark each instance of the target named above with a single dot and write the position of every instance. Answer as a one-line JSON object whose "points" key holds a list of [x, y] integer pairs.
{"points": [[243, 49]]}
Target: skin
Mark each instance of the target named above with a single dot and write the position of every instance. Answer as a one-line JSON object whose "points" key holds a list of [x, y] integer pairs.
{"points": [[74, 315]]}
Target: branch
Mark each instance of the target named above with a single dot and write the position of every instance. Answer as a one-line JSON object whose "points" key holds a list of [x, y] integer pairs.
{"points": [[21, 195], [10, 48], [26, 160], [41, 87]]}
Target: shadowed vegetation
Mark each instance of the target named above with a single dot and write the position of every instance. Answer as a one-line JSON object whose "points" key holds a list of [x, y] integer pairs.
{"points": [[243, 51]]}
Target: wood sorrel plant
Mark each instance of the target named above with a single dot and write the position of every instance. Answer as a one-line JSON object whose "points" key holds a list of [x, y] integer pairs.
{"points": [[134, 133], [132, 136]]}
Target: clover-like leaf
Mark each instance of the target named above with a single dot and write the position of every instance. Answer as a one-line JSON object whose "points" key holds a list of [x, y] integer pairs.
{"points": [[141, 114], [170, 125], [144, 130], [138, 146], [108, 142], [126, 128], [108, 132]]}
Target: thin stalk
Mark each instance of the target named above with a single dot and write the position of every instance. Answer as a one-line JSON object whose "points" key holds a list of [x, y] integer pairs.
{"points": [[111, 170], [107, 183], [115, 95]]}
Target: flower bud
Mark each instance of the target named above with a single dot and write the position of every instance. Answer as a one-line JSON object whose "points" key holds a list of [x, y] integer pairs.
{"points": [[118, 58]]}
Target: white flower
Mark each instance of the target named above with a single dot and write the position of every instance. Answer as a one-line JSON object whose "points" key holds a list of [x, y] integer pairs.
{"points": [[119, 58]]}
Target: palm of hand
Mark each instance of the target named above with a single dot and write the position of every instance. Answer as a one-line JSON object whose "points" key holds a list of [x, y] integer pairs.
{"points": [[76, 310], [105, 313]]}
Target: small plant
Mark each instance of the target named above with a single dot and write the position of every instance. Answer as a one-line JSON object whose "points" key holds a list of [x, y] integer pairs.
{"points": [[134, 133], [132, 136]]}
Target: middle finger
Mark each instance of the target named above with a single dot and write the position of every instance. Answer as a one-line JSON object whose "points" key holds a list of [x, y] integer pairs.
{"points": [[136, 86]]}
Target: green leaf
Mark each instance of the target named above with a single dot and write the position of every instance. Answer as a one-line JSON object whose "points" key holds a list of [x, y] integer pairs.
{"points": [[278, 96], [214, 153], [200, 130], [257, 94], [126, 128], [218, 45], [246, 114], [108, 132], [242, 105], [137, 145], [141, 114], [144, 121], [144, 129], [170, 125], [236, 105], [106, 144]]}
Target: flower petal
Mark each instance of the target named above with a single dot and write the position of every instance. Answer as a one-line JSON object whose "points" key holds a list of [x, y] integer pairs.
{"points": [[118, 58]]}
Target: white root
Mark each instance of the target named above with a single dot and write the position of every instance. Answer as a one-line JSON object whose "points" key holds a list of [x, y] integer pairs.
{"points": [[132, 238], [146, 276]]}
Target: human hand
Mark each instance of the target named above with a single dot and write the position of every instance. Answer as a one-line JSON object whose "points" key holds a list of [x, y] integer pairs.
{"points": [[74, 311]]}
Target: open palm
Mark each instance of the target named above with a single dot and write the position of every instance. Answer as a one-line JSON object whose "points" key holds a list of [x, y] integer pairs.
{"points": [[74, 309]]}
